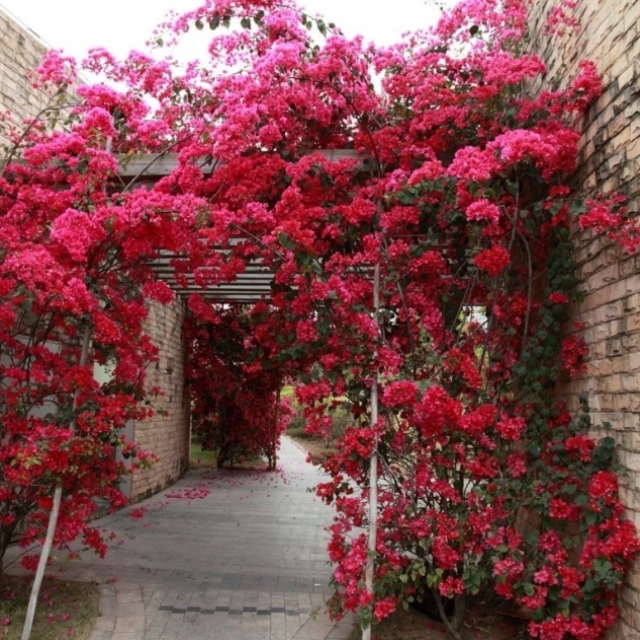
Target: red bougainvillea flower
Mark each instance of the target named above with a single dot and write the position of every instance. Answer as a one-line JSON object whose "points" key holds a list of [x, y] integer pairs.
{"points": [[494, 260]]}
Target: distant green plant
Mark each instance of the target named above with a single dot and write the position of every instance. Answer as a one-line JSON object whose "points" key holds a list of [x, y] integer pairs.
{"points": [[340, 417]]}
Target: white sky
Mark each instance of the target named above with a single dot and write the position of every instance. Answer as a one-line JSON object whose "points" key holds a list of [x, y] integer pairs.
{"points": [[122, 25]]}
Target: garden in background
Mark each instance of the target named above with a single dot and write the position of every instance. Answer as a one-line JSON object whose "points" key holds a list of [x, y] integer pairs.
{"points": [[420, 305]]}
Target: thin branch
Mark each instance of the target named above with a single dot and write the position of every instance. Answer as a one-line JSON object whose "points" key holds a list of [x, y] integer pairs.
{"points": [[163, 153], [525, 329], [258, 240], [32, 124]]}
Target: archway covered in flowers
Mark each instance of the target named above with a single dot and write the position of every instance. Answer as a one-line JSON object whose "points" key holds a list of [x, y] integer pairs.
{"points": [[417, 271]]}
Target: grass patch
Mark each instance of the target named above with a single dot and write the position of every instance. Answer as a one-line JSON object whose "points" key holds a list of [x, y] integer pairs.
{"points": [[199, 459], [287, 392], [298, 432], [65, 609]]}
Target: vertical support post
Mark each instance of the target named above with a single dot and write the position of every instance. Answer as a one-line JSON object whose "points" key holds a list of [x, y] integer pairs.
{"points": [[53, 518], [274, 436], [373, 467]]}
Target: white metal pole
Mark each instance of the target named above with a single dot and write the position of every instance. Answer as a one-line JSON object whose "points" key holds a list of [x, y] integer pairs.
{"points": [[53, 518], [373, 468]]}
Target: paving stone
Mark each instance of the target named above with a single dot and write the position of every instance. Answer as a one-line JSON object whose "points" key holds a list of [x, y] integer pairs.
{"points": [[246, 562]]}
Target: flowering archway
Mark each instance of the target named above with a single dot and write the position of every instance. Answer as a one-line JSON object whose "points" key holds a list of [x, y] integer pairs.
{"points": [[422, 279]]}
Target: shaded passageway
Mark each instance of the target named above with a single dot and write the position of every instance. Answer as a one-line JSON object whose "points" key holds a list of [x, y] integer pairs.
{"points": [[220, 555]]}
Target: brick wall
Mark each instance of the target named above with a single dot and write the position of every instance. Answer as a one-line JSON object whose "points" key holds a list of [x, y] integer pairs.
{"points": [[167, 433], [610, 160], [21, 52]]}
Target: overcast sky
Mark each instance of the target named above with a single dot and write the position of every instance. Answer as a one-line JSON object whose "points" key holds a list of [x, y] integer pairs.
{"points": [[122, 25]]}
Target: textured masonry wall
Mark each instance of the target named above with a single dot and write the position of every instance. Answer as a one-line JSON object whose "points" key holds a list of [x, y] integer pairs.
{"points": [[20, 52], [167, 433], [610, 160]]}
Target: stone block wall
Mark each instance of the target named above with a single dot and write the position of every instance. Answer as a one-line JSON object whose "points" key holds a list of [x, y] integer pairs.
{"points": [[610, 160], [167, 433]]}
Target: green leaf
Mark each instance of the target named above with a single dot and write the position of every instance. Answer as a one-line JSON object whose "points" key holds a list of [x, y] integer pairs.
{"points": [[245, 23], [590, 586], [214, 23], [581, 500], [473, 30], [287, 242], [534, 450], [199, 25]]}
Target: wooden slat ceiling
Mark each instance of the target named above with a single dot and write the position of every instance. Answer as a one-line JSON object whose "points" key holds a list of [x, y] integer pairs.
{"points": [[254, 284], [251, 286]]}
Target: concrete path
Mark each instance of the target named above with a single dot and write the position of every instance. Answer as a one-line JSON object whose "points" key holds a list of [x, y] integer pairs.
{"points": [[224, 555]]}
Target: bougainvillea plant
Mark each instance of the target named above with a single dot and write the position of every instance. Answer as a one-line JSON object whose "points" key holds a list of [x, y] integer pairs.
{"points": [[74, 280], [236, 409], [421, 240]]}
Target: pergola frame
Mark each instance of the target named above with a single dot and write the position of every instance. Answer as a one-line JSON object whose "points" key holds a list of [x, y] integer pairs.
{"points": [[251, 286]]}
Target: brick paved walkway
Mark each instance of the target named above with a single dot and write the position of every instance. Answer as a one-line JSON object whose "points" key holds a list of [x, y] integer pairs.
{"points": [[224, 555]]}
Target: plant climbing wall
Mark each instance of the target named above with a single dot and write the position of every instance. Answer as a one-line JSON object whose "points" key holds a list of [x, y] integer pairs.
{"points": [[606, 31]]}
